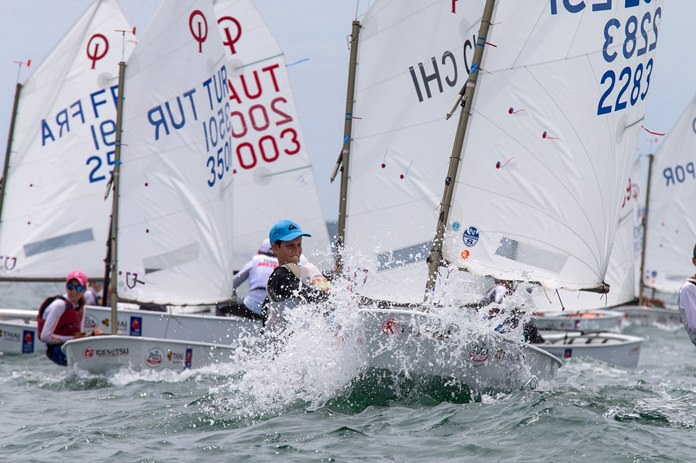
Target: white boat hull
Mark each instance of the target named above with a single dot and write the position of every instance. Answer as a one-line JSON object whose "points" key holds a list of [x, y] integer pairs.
{"points": [[104, 354], [190, 327], [17, 314], [646, 316], [421, 344], [19, 336], [618, 349], [585, 320]]}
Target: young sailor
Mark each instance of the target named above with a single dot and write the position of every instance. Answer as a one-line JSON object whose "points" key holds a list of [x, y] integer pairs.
{"points": [[687, 303], [291, 281], [64, 317], [496, 295]]}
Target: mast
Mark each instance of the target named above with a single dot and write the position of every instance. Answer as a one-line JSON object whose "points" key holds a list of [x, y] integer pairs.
{"points": [[8, 151], [466, 96], [344, 157], [115, 192], [641, 280]]}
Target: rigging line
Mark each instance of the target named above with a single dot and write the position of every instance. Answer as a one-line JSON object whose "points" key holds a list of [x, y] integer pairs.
{"points": [[560, 300], [261, 60], [435, 120]]}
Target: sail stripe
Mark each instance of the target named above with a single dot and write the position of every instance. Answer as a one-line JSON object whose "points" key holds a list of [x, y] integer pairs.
{"points": [[58, 242]]}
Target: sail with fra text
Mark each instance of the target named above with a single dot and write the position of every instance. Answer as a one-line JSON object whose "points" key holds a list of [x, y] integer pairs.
{"points": [[54, 214]]}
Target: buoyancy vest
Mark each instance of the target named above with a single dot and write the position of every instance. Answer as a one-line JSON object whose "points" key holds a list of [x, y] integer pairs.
{"points": [[68, 324]]}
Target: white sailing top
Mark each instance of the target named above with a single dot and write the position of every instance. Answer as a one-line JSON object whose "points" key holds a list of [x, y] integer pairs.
{"points": [[256, 271], [687, 307]]}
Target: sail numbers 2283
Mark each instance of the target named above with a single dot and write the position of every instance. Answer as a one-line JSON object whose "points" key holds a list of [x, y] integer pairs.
{"points": [[632, 83]]}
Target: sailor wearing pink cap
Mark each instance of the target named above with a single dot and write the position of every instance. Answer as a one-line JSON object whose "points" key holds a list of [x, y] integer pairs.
{"points": [[62, 318]]}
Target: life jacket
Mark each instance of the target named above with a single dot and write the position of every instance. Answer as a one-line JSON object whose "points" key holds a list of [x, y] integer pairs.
{"points": [[69, 322]]}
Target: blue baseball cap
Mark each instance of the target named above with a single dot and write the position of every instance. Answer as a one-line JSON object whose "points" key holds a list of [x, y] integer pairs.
{"points": [[285, 230]]}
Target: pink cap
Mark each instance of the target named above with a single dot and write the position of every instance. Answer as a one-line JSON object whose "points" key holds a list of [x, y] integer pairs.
{"points": [[77, 275]]}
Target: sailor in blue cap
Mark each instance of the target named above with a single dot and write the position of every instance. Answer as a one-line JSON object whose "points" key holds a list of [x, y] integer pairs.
{"points": [[292, 280]]}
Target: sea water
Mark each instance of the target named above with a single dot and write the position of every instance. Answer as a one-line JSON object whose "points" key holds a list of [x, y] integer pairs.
{"points": [[308, 402]]}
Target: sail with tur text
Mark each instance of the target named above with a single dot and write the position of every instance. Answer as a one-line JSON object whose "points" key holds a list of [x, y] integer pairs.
{"points": [[174, 229]]}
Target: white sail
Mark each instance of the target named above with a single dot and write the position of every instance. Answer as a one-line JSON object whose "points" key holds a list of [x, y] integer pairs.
{"points": [[273, 177], [55, 217], [175, 227], [555, 119], [623, 268], [671, 230], [401, 143]]}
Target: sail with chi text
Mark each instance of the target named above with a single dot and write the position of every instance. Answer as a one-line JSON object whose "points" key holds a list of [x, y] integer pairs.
{"points": [[54, 216], [671, 229], [401, 143], [273, 176], [558, 106], [174, 234]]}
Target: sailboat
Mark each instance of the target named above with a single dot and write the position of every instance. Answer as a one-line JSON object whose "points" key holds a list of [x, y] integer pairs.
{"points": [[669, 224], [256, 57], [172, 187], [271, 160], [59, 155], [538, 169]]}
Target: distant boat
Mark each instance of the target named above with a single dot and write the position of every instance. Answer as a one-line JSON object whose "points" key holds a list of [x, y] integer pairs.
{"points": [[172, 226], [535, 181], [60, 153], [670, 225], [537, 195], [273, 176]]}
